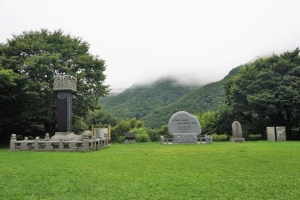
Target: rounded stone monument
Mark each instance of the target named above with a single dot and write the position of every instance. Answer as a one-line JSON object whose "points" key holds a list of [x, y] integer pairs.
{"points": [[184, 127]]}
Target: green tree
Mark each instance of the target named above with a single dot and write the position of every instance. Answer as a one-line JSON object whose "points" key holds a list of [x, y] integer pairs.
{"points": [[125, 125], [207, 121], [266, 92], [36, 56], [99, 117]]}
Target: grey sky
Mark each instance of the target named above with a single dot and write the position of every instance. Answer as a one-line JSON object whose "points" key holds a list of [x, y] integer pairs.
{"points": [[144, 39]]}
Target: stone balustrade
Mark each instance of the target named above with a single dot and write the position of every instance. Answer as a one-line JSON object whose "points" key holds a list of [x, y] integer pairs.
{"points": [[88, 144]]}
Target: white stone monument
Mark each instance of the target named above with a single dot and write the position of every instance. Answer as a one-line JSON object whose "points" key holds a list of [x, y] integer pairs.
{"points": [[184, 127]]}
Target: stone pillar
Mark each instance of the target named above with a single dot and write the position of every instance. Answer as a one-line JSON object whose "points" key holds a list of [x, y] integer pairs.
{"points": [[13, 141], [36, 143], [47, 137], [61, 144], [64, 85], [86, 143]]}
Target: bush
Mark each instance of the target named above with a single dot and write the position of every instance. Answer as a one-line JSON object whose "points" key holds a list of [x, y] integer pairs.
{"points": [[20, 137], [30, 137], [255, 137], [121, 139], [141, 135], [220, 138], [155, 134]]}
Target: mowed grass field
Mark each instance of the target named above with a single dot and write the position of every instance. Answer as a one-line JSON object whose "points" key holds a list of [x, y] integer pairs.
{"points": [[250, 170]]}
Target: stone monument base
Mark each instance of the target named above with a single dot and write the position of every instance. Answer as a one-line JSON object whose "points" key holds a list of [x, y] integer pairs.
{"points": [[129, 141], [237, 139], [179, 138]]}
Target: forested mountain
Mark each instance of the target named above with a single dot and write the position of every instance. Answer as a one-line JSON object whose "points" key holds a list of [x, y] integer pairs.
{"points": [[138, 101], [156, 103], [208, 97]]}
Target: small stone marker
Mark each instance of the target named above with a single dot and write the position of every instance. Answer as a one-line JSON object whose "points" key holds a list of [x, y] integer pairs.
{"points": [[237, 133], [129, 137], [184, 127]]}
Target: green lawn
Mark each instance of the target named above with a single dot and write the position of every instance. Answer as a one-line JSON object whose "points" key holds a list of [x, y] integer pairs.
{"points": [[250, 170]]}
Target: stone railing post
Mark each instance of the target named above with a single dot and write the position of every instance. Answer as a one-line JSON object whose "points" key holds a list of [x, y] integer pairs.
{"points": [[36, 143], [61, 144], [13, 140], [86, 142], [162, 139], [47, 137]]}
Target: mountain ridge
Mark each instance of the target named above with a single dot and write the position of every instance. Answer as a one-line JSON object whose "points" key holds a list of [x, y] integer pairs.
{"points": [[155, 103]]}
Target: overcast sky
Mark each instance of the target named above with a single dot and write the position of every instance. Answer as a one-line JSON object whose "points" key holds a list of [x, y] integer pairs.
{"points": [[142, 40]]}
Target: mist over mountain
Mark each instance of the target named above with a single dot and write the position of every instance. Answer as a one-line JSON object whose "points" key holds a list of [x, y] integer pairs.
{"points": [[155, 102], [138, 100]]}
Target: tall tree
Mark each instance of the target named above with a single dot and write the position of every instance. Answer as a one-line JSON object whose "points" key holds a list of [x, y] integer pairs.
{"points": [[266, 92], [37, 56]]}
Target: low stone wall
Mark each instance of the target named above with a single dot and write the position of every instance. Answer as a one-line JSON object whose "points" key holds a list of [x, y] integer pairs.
{"points": [[87, 144], [195, 140]]}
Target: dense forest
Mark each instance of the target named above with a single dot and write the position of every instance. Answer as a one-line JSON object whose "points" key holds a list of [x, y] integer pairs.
{"points": [[138, 101]]}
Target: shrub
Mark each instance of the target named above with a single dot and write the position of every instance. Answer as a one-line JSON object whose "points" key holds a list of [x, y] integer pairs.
{"points": [[121, 139], [220, 138], [20, 137], [223, 137], [153, 134], [30, 137], [254, 137], [141, 135]]}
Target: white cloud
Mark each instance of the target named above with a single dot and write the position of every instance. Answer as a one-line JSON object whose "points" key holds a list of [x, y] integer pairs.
{"points": [[142, 40]]}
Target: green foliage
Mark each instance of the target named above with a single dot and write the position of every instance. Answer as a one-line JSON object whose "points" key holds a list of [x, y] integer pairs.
{"points": [[141, 135], [207, 97], [100, 118], [155, 134], [9, 101], [266, 93], [20, 137], [78, 125], [124, 126], [220, 137], [28, 62], [255, 137], [224, 119], [121, 139], [207, 121], [30, 137], [138, 101]]}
